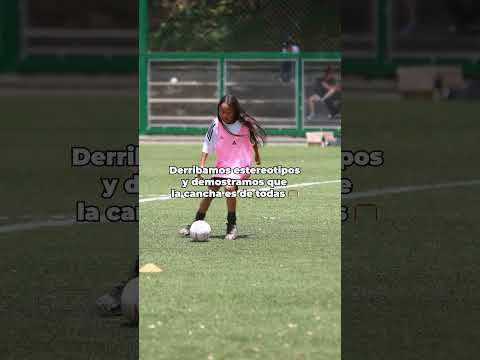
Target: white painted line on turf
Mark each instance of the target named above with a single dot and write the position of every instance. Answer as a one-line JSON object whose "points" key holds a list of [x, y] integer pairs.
{"points": [[35, 225], [301, 185], [59, 217], [52, 221], [36, 217], [408, 189], [168, 197], [157, 198]]}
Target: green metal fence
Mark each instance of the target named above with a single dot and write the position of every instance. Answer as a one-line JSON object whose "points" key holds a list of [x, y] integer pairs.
{"points": [[179, 91], [45, 37], [376, 37]]}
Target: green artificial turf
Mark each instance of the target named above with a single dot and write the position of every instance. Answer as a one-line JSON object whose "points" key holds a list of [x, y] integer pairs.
{"points": [[274, 293]]}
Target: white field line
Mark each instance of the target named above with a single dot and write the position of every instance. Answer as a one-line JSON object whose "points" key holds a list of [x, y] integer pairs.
{"points": [[53, 222], [156, 198], [168, 197], [35, 225], [37, 217]]}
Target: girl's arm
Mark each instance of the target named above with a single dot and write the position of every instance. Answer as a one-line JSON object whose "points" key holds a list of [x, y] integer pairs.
{"points": [[208, 144], [203, 160], [257, 155]]}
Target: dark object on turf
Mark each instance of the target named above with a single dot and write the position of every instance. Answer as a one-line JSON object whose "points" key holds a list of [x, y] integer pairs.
{"points": [[110, 304]]}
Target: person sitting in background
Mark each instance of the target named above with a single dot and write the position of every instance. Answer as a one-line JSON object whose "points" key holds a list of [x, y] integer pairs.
{"points": [[327, 91]]}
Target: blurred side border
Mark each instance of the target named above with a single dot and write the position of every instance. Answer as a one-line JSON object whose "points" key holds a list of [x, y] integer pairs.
{"points": [[12, 60], [383, 64]]}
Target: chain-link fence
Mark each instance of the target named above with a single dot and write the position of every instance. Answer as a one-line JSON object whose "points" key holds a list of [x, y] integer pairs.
{"points": [[250, 25], [289, 94], [381, 35]]}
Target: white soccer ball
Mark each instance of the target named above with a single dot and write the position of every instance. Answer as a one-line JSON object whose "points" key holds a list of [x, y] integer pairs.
{"points": [[173, 80], [130, 301], [200, 231]]}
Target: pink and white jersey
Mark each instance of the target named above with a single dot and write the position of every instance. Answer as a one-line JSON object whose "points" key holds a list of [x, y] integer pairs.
{"points": [[231, 151]]}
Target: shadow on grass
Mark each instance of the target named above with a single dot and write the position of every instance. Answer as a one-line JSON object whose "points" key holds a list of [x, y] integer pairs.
{"points": [[222, 237]]}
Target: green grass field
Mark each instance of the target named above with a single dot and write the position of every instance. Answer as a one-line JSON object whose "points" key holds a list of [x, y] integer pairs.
{"points": [[410, 280], [269, 294], [51, 276], [274, 293]]}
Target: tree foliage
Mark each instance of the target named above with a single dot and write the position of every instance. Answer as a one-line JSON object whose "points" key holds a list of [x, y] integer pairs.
{"points": [[232, 25]]}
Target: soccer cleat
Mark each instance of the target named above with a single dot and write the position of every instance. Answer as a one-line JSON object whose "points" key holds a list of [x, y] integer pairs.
{"points": [[185, 231], [110, 304], [232, 232]]}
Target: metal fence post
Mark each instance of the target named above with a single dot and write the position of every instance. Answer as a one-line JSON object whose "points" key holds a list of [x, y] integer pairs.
{"points": [[382, 31], [143, 66], [299, 90], [221, 85], [9, 35]]}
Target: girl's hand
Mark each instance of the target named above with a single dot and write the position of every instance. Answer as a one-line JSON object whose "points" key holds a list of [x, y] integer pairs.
{"points": [[257, 159]]}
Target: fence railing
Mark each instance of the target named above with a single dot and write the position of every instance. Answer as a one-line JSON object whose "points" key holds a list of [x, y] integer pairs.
{"points": [[380, 35], [32, 39], [179, 92]]}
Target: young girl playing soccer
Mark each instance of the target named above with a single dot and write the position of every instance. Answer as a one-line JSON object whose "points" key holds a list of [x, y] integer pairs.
{"points": [[234, 136]]}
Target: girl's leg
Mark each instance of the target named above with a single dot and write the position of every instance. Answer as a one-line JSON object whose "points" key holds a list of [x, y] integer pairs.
{"points": [[232, 201], [205, 204], [201, 212], [231, 215], [231, 204]]}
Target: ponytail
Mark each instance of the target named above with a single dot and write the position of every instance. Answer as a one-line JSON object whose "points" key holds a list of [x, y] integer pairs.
{"points": [[258, 135]]}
